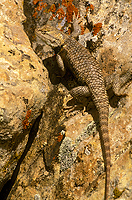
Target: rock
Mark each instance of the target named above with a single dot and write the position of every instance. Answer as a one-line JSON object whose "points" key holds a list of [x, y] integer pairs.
{"points": [[76, 169], [23, 87]]}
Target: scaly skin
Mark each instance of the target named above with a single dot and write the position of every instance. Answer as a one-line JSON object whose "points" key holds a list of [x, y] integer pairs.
{"points": [[86, 70]]}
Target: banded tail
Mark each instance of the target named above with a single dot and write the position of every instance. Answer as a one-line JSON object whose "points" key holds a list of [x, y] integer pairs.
{"points": [[103, 118]]}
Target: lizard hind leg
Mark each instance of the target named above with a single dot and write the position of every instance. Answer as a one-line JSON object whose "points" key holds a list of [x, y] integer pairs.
{"points": [[81, 93]]}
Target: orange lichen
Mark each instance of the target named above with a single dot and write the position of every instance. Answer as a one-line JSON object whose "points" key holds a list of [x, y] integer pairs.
{"points": [[54, 158], [41, 6], [87, 8], [66, 2], [35, 2], [69, 31], [91, 7], [61, 29], [96, 28], [82, 30], [60, 13], [25, 122], [51, 18], [79, 15], [70, 10], [44, 5], [35, 14], [60, 137], [52, 8]]}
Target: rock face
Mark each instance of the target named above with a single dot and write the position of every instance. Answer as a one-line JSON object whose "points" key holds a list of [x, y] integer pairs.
{"points": [[45, 154], [23, 87]]}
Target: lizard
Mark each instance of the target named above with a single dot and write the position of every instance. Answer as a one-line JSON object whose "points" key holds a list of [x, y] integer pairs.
{"points": [[87, 72]]}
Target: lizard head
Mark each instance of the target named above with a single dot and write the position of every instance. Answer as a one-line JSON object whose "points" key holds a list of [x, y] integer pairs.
{"points": [[50, 35]]}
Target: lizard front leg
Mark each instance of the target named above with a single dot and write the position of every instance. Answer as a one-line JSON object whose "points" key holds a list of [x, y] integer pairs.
{"points": [[60, 65], [80, 93]]}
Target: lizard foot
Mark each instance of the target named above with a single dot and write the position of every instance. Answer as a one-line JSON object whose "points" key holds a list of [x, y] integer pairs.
{"points": [[74, 108]]}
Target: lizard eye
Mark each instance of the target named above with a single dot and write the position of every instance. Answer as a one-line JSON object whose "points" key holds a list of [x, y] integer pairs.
{"points": [[42, 31]]}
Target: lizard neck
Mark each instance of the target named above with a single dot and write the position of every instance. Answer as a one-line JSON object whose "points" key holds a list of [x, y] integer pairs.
{"points": [[66, 38]]}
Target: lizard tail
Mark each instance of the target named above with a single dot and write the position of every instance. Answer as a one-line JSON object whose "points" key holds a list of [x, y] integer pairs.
{"points": [[105, 143]]}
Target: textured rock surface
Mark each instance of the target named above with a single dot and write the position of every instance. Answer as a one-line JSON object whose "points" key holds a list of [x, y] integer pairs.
{"points": [[24, 85]]}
